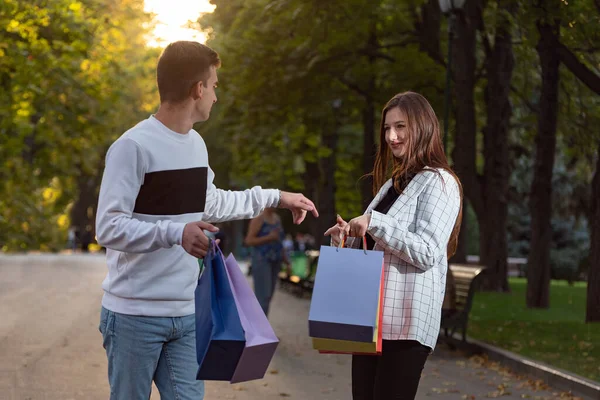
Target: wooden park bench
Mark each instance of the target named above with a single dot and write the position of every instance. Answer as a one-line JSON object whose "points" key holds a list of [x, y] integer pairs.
{"points": [[460, 290]]}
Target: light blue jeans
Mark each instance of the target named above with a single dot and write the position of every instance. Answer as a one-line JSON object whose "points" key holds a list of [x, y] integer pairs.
{"points": [[143, 349], [265, 274]]}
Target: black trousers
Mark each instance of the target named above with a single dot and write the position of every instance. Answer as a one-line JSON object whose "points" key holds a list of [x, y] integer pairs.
{"points": [[394, 375]]}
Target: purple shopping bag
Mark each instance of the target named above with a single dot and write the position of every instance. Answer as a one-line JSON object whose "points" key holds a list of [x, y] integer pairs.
{"points": [[261, 341]]}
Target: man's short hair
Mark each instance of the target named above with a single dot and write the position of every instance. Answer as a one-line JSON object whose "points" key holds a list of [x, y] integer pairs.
{"points": [[181, 65]]}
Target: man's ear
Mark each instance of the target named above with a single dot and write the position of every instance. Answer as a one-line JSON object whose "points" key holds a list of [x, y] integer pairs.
{"points": [[197, 90]]}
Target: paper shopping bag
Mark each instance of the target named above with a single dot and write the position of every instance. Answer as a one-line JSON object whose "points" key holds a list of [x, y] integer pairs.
{"points": [[220, 338], [346, 294], [333, 346], [261, 341]]}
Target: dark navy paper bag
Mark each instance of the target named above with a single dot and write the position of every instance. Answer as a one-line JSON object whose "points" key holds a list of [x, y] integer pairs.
{"points": [[220, 338]]}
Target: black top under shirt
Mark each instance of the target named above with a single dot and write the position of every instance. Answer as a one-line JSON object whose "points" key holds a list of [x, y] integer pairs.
{"points": [[387, 201]]}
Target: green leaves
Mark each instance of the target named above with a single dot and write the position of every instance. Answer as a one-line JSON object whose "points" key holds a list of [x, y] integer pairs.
{"points": [[71, 81], [295, 73]]}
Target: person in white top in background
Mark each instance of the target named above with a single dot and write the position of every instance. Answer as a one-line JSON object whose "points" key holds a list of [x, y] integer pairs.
{"points": [[415, 220], [157, 198]]}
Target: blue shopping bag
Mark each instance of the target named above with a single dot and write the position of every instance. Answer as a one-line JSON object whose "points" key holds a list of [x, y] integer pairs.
{"points": [[345, 299], [220, 338]]}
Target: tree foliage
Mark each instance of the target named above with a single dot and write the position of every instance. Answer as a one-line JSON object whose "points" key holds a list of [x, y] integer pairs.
{"points": [[303, 83], [74, 75], [301, 90]]}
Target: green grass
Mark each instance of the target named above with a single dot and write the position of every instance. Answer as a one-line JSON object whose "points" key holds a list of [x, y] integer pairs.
{"points": [[557, 336]]}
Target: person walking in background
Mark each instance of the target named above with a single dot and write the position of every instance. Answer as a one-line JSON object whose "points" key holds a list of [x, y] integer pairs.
{"points": [[72, 239], [415, 220], [265, 235]]}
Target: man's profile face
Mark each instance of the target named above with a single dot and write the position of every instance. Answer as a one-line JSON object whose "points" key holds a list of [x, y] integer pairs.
{"points": [[208, 96]]}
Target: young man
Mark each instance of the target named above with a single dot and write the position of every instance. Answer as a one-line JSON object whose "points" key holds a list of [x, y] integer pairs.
{"points": [[156, 198]]}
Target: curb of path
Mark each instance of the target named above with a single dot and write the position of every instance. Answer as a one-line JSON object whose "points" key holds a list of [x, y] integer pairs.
{"points": [[552, 376]]}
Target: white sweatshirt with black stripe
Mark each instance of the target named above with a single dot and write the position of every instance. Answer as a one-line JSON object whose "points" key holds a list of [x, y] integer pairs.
{"points": [[155, 181]]}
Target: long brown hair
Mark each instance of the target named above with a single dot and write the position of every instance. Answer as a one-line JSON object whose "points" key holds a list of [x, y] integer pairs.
{"points": [[424, 150]]}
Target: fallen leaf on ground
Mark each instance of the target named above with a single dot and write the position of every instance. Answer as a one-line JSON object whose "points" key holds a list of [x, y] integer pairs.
{"points": [[497, 393], [444, 390]]}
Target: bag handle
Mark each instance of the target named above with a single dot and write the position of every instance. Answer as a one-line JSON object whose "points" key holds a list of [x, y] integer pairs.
{"points": [[343, 243], [212, 249]]}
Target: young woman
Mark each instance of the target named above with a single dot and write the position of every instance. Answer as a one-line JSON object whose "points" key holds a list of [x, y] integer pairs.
{"points": [[415, 220], [265, 235]]}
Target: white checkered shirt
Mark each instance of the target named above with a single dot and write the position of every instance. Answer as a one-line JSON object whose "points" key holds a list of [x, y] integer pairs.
{"points": [[414, 237]]}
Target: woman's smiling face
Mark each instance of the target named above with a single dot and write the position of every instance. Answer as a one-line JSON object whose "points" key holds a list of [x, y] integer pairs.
{"points": [[396, 132]]}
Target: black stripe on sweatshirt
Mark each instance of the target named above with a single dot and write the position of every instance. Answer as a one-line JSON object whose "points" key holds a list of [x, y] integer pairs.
{"points": [[173, 192]]}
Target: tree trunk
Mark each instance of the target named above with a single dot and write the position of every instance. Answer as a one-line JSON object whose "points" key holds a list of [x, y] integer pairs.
{"points": [[494, 246], [464, 153], [369, 151], [313, 190], [427, 29], [463, 71], [83, 213], [368, 119], [538, 263], [462, 249], [593, 290], [327, 214], [592, 81]]}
